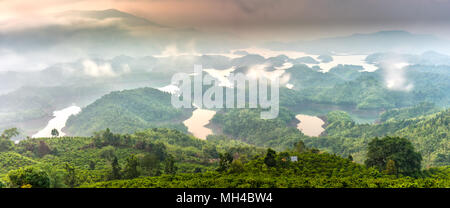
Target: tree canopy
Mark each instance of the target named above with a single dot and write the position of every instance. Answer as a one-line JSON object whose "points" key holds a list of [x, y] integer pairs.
{"points": [[393, 152]]}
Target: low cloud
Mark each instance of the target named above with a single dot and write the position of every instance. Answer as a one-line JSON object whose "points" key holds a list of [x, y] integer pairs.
{"points": [[260, 70], [395, 78], [173, 50], [93, 69]]}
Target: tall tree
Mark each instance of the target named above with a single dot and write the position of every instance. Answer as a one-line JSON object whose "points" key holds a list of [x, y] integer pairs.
{"points": [[236, 166], [270, 160], [151, 163], [115, 169], [225, 161], [131, 167], [10, 133], [5, 139], [399, 150], [300, 147], [55, 133], [43, 149], [350, 157], [108, 153], [390, 168], [169, 165], [70, 178]]}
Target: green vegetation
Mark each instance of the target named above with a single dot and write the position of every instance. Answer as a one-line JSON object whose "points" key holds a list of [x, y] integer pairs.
{"points": [[393, 155], [312, 170], [346, 85], [409, 112], [169, 158], [28, 177], [375, 136], [246, 125], [72, 161], [128, 111], [366, 92], [135, 138], [5, 139], [13, 160], [428, 134]]}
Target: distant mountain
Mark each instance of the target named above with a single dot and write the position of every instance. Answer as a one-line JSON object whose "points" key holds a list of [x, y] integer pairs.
{"points": [[94, 32], [128, 111], [106, 33], [126, 18], [429, 134], [426, 58], [397, 41]]}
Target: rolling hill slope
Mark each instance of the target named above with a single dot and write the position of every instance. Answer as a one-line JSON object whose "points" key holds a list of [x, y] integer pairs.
{"points": [[128, 111]]}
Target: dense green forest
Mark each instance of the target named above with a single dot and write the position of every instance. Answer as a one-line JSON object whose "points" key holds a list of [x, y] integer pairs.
{"points": [[246, 125], [347, 85], [162, 157], [428, 133], [128, 111], [135, 138], [424, 124], [344, 86], [311, 171], [409, 112], [94, 158]]}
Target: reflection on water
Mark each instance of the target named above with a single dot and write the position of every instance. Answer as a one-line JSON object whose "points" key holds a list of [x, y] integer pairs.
{"points": [[196, 123], [310, 125], [58, 122]]}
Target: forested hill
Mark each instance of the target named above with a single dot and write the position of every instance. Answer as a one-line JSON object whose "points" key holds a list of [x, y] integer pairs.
{"points": [[430, 134], [409, 112], [128, 111], [170, 158], [347, 85], [139, 109]]}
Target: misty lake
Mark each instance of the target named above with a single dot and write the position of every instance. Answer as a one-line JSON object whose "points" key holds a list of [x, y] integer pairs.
{"points": [[197, 122], [58, 122], [310, 125]]}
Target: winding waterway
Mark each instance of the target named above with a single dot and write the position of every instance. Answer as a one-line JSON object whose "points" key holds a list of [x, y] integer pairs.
{"points": [[58, 122], [197, 122], [310, 125]]}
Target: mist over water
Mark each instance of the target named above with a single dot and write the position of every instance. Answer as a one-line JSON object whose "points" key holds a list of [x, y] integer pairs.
{"points": [[58, 122]]}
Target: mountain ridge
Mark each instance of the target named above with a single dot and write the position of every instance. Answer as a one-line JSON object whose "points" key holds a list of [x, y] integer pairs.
{"points": [[366, 43]]}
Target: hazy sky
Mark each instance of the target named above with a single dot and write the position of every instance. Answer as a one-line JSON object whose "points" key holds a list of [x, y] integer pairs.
{"points": [[251, 21], [303, 19]]}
